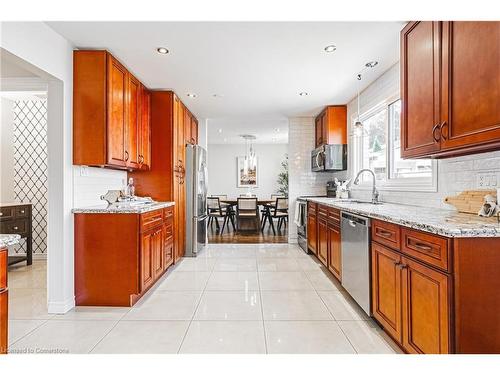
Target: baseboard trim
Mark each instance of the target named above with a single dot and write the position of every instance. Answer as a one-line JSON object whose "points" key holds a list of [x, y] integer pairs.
{"points": [[61, 307]]}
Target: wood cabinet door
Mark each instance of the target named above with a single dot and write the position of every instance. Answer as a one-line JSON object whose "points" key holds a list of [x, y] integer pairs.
{"points": [[194, 130], [420, 88], [4, 308], [318, 131], [158, 249], [179, 180], [132, 148], [187, 126], [426, 309], [386, 290], [322, 240], [471, 85], [147, 262], [334, 251], [116, 113], [145, 133], [312, 233]]}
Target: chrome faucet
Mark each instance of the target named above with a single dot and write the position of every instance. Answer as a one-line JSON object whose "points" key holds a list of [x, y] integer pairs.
{"points": [[375, 193]]}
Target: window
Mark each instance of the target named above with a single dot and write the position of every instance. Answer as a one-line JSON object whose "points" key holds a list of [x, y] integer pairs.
{"points": [[403, 168], [378, 147]]}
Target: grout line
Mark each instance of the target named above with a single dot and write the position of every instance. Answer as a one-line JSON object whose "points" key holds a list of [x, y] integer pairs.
{"points": [[195, 310], [333, 317], [27, 333], [262, 310]]}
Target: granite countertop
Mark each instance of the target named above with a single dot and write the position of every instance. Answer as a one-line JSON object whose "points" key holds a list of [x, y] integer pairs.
{"points": [[9, 239], [433, 220], [122, 208]]}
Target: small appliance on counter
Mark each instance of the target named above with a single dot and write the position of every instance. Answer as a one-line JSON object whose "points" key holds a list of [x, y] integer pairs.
{"points": [[329, 158]]}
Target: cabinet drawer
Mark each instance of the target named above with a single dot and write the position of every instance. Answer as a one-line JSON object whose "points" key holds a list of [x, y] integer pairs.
{"points": [[168, 213], [169, 233], [323, 211], [15, 227], [150, 220], [428, 248], [311, 208], [3, 269], [387, 234], [334, 216], [169, 254], [23, 211], [6, 213]]}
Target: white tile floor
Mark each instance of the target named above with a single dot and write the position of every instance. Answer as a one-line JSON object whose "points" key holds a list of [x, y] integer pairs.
{"points": [[231, 299]]}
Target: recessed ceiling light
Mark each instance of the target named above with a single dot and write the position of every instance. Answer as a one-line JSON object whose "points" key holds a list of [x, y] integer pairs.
{"points": [[191, 95], [217, 95], [330, 48], [303, 93], [220, 130], [371, 64], [162, 50], [277, 129]]}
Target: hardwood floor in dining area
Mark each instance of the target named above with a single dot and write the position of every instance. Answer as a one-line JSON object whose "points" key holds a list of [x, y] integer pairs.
{"points": [[231, 236]]}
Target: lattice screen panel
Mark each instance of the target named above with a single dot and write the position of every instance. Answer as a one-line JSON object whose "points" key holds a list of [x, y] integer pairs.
{"points": [[30, 166]]}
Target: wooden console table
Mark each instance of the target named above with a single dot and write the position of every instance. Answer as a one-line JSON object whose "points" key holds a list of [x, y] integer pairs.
{"points": [[16, 218]]}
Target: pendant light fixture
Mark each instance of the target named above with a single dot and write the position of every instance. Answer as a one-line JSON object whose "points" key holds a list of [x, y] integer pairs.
{"points": [[358, 125], [250, 160]]}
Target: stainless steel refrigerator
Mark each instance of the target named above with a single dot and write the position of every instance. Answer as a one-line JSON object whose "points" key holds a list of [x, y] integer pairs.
{"points": [[196, 199]]}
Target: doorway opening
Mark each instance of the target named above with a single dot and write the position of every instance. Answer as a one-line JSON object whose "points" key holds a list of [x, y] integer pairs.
{"points": [[248, 180]]}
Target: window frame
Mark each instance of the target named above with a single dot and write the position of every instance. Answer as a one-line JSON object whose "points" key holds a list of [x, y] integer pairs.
{"points": [[417, 184]]}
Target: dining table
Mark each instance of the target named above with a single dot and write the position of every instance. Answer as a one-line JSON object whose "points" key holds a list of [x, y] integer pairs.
{"points": [[267, 204]]}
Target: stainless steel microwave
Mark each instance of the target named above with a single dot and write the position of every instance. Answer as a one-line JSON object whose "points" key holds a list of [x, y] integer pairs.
{"points": [[329, 158]]}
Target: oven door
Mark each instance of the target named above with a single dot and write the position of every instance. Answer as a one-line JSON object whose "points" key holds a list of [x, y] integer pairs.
{"points": [[318, 159]]}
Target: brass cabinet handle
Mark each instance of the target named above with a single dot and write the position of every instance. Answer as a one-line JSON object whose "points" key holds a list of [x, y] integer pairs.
{"points": [[1, 213], [434, 128], [383, 233], [422, 246], [443, 125], [22, 211], [15, 228], [126, 155]]}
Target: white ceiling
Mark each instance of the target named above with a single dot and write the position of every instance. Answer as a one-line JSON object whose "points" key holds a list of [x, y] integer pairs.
{"points": [[266, 130], [258, 68]]}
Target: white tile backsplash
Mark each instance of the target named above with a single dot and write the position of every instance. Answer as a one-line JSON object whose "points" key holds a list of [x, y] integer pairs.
{"points": [[90, 183]]}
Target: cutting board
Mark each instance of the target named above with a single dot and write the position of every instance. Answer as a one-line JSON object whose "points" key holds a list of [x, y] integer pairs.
{"points": [[469, 201]]}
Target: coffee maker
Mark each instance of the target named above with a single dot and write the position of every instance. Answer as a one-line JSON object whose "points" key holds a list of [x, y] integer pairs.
{"points": [[331, 189]]}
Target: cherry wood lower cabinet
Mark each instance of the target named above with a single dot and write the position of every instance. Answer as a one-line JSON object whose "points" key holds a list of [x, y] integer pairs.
{"points": [[436, 295], [4, 302], [312, 230], [323, 236], [119, 256]]}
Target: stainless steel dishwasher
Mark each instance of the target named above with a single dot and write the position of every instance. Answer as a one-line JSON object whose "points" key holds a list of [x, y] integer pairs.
{"points": [[355, 233]]}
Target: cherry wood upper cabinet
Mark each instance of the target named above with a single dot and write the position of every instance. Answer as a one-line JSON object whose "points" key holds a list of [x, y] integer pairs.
{"points": [[133, 122], [145, 132], [471, 86], [117, 113], [107, 113], [331, 126], [194, 130], [420, 65], [450, 88]]}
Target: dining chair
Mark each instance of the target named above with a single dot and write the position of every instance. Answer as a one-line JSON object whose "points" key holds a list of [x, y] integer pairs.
{"points": [[278, 211], [216, 210], [220, 196], [247, 210]]}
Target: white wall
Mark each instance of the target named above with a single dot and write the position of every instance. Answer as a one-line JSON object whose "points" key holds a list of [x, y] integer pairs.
{"points": [[454, 174], [222, 168], [50, 56], [90, 183], [7, 151]]}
